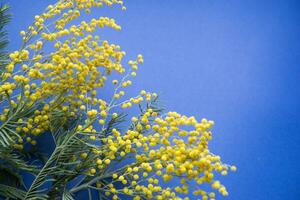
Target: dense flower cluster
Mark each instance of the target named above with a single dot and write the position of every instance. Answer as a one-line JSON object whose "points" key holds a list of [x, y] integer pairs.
{"points": [[73, 71], [61, 68], [167, 150]]}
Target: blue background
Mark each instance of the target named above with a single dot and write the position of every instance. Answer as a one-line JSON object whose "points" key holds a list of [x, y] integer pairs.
{"points": [[236, 62]]}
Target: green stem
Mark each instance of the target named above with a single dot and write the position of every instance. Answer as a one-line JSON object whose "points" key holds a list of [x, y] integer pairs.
{"points": [[36, 180]]}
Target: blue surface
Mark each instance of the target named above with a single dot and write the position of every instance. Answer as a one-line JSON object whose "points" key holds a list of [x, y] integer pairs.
{"points": [[236, 62]]}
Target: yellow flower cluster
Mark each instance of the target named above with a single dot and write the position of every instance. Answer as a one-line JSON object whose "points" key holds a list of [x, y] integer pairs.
{"points": [[163, 150], [62, 68], [67, 77]]}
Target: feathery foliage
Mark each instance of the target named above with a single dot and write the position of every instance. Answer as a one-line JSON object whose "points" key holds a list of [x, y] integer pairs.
{"points": [[5, 18]]}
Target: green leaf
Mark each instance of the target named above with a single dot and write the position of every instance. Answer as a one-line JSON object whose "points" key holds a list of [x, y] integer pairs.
{"points": [[114, 123], [13, 160], [8, 134], [11, 192], [10, 177], [67, 195], [5, 18]]}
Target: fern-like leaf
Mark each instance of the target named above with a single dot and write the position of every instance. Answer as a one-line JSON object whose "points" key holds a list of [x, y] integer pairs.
{"points": [[11, 192], [67, 195], [5, 18]]}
